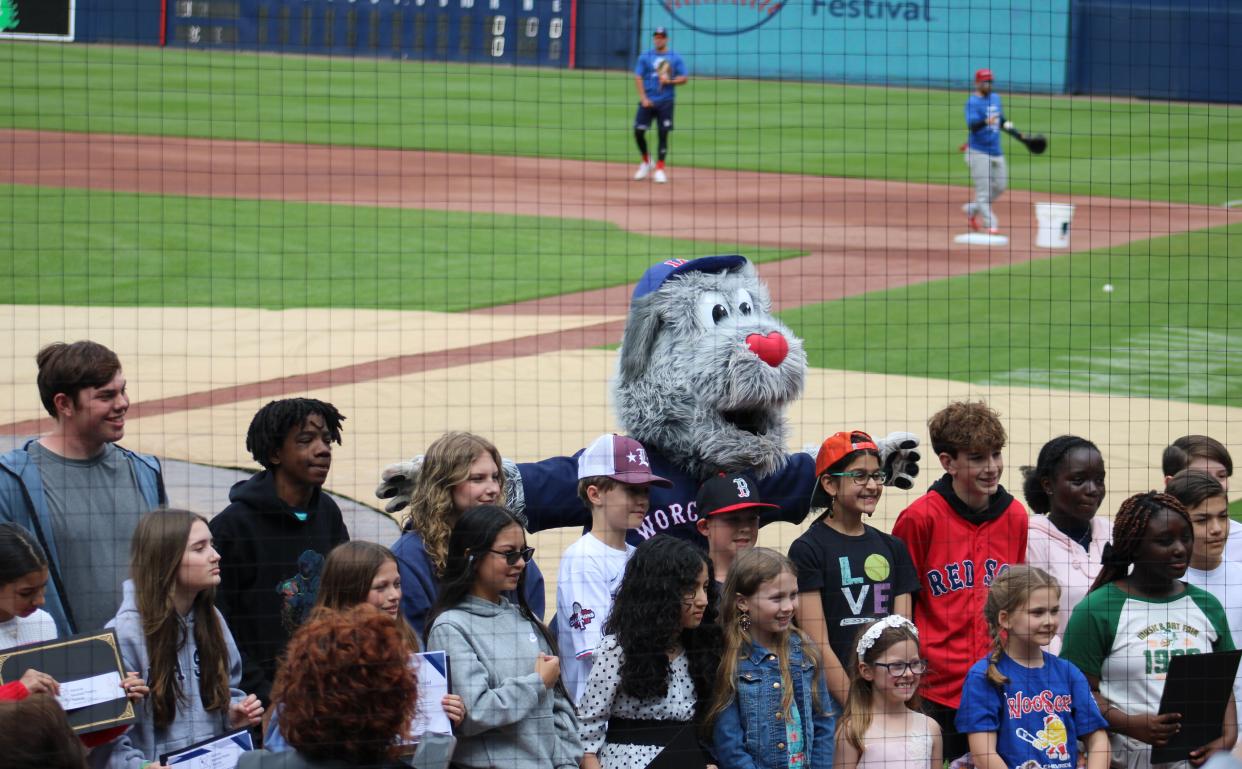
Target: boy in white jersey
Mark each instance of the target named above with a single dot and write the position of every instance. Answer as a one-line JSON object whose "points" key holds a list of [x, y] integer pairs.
{"points": [[614, 480], [1208, 506]]}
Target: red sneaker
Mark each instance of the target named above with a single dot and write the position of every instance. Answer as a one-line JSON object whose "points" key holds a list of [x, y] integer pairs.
{"points": [[974, 223]]}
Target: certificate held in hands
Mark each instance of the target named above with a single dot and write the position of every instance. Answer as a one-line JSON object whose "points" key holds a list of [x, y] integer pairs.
{"points": [[1198, 686], [89, 670]]}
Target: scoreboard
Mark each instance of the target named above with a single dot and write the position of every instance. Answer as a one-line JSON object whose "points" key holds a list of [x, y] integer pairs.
{"points": [[529, 32]]}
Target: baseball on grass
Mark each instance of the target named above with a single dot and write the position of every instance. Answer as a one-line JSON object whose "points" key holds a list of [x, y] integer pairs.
{"points": [[1108, 288]]}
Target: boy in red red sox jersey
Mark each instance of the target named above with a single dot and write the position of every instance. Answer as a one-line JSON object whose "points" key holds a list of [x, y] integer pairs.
{"points": [[963, 532]]}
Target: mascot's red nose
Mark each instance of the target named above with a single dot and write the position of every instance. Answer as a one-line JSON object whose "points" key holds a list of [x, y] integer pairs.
{"points": [[771, 349]]}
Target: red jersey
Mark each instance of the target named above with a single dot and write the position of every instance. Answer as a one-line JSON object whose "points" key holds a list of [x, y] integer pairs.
{"points": [[956, 561]]}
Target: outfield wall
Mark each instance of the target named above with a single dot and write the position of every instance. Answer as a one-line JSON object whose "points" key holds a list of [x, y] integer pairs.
{"points": [[1141, 48], [893, 42]]}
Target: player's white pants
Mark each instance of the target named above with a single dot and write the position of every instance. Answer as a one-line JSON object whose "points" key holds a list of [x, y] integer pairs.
{"points": [[988, 174]]}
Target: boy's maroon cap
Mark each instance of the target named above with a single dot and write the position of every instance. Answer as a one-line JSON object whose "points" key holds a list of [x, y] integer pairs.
{"points": [[620, 458], [727, 493]]}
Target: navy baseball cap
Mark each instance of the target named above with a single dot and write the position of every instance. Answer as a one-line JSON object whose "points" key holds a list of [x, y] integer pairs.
{"points": [[729, 493], [656, 274], [660, 31]]}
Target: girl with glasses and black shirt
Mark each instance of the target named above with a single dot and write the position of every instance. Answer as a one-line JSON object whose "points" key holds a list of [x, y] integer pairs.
{"points": [[849, 573]]}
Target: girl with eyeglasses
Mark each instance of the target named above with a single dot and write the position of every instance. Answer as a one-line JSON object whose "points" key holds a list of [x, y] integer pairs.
{"points": [[653, 674], [502, 660], [882, 726], [849, 573], [1021, 704], [772, 708]]}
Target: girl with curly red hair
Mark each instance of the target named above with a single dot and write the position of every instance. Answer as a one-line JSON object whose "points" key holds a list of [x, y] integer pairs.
{"points": [[344, 690]]}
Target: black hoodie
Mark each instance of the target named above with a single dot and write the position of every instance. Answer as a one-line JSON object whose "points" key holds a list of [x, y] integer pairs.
{"points": [[270, 564]]}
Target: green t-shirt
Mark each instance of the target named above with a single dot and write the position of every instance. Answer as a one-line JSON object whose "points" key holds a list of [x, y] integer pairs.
{"points": [[1127, 641]]}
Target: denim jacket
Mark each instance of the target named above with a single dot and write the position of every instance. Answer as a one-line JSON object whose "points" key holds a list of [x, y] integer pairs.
{"points": [[750, 733]]}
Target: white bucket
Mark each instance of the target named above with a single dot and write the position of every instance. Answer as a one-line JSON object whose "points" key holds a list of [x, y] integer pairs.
{"points": [[1054, 224]]}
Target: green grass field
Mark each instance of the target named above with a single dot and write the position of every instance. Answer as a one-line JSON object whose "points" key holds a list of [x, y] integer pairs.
{"points": [[102, 248], [1159, 151], [1170, 328], [1165, 332]]}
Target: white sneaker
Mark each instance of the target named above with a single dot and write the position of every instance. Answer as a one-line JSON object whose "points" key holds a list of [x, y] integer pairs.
{"points": [[643, 170], [659, 177]]}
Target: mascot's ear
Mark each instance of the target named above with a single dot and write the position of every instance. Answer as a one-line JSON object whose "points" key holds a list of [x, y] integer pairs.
{"points": [[641, 330]]}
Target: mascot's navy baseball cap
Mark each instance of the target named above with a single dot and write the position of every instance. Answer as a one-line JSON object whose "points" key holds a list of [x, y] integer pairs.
{"points": [[656, 274]]}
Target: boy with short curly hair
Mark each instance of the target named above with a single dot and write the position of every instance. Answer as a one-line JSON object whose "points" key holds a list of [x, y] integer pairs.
{"points": [[276, 532], [963, 532]]}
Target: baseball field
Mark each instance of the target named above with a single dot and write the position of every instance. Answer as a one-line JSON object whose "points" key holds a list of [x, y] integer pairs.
{"points": [[435, 246]]}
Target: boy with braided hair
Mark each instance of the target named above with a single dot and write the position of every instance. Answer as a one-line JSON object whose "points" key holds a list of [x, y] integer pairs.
{"points": [[961, 534], [1124, 634]]}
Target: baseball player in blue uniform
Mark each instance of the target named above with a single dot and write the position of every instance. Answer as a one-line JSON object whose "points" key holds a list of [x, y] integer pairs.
{"points": [[658, 73], [985, 119]]}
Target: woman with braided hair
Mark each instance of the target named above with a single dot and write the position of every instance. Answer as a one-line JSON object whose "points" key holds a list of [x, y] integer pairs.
{"points": [[1065, 537], [1137, 617]]}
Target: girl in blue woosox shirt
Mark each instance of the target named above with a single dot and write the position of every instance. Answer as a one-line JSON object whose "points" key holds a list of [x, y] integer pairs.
{"points": [[769, 666]]}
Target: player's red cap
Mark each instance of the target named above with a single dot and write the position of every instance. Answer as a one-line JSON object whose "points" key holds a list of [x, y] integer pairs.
{"points": [[983, 74]]}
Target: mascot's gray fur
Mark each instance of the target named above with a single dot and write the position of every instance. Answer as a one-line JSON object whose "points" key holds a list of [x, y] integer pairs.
{"points": [[703, 380], [689, 383]]}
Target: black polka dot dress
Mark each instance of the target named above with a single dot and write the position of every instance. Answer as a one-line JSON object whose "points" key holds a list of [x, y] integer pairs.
{"points": [[604, 699]]}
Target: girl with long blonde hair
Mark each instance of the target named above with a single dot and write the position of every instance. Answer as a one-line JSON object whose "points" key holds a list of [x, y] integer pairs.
{"points": [[768, 667], [459, 471]]}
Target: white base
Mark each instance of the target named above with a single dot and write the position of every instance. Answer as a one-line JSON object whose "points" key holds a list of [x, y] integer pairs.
{"points": [[981, 239]]}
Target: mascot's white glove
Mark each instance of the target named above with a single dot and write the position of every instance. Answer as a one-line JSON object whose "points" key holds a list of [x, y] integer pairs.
{"points": [[899, 455], [397, 483]]}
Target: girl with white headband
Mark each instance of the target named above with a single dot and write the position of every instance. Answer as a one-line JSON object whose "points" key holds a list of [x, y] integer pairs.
{"points": [[882, 727]]}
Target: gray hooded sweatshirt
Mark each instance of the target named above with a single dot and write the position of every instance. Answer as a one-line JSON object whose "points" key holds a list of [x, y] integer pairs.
{"points": [[143, 742], [512, 719]]}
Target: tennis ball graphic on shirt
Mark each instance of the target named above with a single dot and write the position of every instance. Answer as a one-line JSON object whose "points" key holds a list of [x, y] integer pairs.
{"points": [[876, 567]]}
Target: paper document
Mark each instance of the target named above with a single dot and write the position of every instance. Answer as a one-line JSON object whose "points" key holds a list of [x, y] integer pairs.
{"points": [[433, 683], [220, 752], [85, 692]]}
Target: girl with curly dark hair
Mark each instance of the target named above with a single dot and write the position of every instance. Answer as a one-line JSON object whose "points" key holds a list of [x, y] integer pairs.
{"points": [[504, 661], [344, 690], [652, 680]]}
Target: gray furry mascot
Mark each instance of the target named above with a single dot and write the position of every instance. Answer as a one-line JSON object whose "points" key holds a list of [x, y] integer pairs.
{"points": [[704, 376]]}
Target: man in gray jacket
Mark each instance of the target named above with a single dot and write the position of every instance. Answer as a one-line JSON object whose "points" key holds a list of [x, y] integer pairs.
{"points": [[79, 493]]}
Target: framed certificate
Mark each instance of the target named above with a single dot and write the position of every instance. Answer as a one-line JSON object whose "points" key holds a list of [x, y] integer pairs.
{"points": [[220, 752], [89, 670]]}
